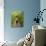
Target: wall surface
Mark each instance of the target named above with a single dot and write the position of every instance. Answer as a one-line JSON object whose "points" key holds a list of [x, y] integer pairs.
{"points": [[1, 21], [43, 6], [29, 7]]}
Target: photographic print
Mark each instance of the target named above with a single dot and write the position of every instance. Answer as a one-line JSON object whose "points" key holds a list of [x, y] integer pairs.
{"points": [[17, 18]]}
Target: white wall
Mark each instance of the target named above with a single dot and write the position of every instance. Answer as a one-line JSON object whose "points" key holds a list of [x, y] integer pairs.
{"points": [[1, 21], [43, 6]]}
